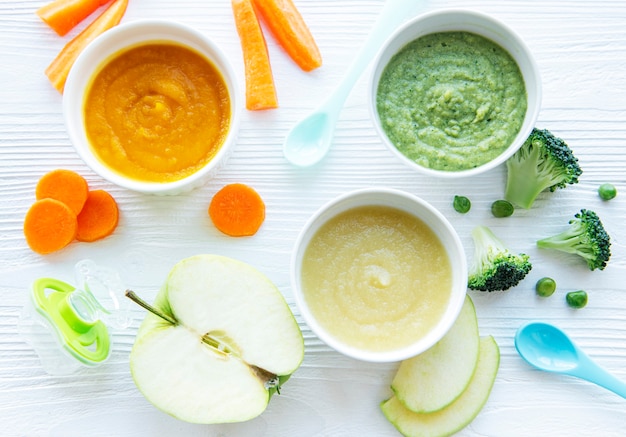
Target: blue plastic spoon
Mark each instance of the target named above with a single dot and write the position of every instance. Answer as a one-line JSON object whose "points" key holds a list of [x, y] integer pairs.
{"points": [[548, 348], [310, 139]]}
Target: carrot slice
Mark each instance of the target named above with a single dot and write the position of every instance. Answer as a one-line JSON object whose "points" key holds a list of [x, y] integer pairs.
{"points": [[237, 210], [60, 67], [63, 15], [65, 186], [288, 27], [99, 217], [49, 226], [260, 89]]}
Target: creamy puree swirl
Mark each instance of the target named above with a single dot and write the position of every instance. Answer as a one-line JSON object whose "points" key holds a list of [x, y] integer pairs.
{"points": [[157, 112], [452, 100], [376, 278]]}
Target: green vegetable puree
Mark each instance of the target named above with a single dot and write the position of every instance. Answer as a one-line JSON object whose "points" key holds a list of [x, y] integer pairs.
{"points": [[452, 100]]}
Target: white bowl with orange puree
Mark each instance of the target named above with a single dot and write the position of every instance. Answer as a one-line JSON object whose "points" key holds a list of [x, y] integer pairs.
{"points": [[379, 274], [152, 106]]}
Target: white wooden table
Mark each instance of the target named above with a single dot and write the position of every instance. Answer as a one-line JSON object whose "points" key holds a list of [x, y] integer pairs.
{"points": [[580, 46]]}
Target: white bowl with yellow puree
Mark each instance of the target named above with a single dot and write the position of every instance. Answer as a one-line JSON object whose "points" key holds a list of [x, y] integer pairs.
{"points": [[379, 274], [152, 106]]}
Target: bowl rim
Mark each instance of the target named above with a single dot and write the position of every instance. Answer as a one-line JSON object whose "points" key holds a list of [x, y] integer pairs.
{"points": [[407, 202], [490, 25], [121, 38]]}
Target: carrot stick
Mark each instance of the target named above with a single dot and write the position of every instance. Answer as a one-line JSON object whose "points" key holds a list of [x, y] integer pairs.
{"points": [[63, 15], [60, 67], [65, 186], [237, 210], [49, 226], [99, 217], [291, 32], [260, 89]]}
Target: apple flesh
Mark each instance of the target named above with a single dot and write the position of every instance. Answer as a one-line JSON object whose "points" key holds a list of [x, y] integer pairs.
{"points": [[433, 379], [217, 342], [459, 413]]}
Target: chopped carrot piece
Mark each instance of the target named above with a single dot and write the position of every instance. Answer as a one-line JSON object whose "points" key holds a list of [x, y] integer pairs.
{"points": [[260, 89], [63, 15], [287, 25], [65, 186], [237, 210], [99, 217], [60, 67], [49, 226]]}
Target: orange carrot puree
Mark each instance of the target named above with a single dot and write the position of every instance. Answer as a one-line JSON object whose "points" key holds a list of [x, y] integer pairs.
{"points": [[157, 112]]}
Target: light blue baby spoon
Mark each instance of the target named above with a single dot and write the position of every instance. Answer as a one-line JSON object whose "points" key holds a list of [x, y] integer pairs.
{"points": [[310, 139], [548, 348]]}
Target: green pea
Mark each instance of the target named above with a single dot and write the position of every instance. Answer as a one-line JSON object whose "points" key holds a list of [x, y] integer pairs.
{"points": [[461, 204], [545, 287], [502, 208], [576, 299], [607, 191]]}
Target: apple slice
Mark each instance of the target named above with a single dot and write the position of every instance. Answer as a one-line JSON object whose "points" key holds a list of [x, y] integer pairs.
{"points": [[219, 340], [433, 379], [458, 414]]}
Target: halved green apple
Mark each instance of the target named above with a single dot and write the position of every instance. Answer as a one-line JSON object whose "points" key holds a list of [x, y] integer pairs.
{"points": [[218, 341], [433, 379], [459, 413]]}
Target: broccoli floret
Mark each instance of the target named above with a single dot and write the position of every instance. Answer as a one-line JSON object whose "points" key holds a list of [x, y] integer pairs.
{"points": [[495, 267], [543, 162], [585, 237]]}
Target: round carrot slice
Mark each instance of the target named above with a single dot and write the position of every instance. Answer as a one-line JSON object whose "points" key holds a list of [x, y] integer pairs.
{"points": [[65, 186], [98, 218], [237, 210], [49, 225]]}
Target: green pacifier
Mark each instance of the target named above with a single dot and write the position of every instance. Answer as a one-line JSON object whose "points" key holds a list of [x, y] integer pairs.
{"points": [[70, 312], [69, 326]]}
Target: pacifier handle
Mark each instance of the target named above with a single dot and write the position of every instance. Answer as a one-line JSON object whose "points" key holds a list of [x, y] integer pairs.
{"points": [[86, 340]]}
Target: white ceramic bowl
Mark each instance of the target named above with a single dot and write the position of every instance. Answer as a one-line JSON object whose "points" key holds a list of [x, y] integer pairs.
{"points": [[469, 21], [125, 36], [414, 206]]}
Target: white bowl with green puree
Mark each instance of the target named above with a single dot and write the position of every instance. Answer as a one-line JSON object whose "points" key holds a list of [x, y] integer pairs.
{"points": [[454, 93]]}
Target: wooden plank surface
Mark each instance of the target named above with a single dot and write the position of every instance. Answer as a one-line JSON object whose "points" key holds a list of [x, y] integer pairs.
{"points": [[580, 47]]}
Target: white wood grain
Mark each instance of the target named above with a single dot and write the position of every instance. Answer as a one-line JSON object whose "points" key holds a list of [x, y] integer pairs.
{"points": [[580, 47]]}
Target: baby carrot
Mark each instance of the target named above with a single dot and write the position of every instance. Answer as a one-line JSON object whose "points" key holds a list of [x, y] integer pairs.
{"points": [[65, 186], [49, 226], [63, 15], [98, 218], [60, 67], [260, 89], [291, 32], [237, 210]]}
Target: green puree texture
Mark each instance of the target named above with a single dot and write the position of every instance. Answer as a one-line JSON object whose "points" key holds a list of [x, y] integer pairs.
{"points": [[452, 100]]}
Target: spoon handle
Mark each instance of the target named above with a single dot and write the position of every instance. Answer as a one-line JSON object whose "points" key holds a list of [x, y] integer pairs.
{"points": [[392, 14], [592, 372]]}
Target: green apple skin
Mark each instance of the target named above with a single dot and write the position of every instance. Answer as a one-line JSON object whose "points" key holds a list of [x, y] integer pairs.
{"points": [[240, 309], [435, 378], [458, 414]]}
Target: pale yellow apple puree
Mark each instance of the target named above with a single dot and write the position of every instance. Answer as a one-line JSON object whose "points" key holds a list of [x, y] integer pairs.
{"points": [[376, 278]]}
